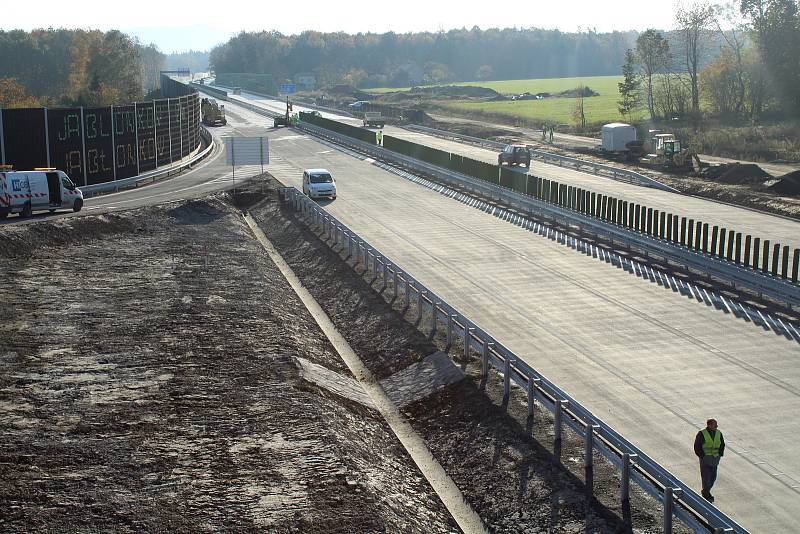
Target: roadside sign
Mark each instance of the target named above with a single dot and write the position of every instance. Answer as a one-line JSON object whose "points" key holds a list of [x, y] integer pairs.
{"points": [[246, 150], [288, 88]]}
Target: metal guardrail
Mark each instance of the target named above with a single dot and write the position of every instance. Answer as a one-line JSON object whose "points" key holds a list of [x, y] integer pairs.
{"points": [[598, 169], [738, 276], [151, 176], [678, 498]]}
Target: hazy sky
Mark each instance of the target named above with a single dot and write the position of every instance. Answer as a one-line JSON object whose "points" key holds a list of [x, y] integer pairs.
{"points": [[182, 25]]}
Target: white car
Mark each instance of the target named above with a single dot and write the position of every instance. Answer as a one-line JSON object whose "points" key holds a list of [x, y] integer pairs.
{"points": [[319, 183]]}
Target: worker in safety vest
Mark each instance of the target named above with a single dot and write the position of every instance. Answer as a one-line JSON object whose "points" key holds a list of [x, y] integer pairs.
{"points": [[380, 137], [709, 446]]}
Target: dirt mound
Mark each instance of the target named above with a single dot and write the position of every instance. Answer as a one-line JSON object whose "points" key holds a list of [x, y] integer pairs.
{"points": [[578, 92], [458, 91], [788, 184], [738, 173]]}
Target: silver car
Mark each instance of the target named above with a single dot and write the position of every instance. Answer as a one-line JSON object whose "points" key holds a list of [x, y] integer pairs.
{"points": [[319, 183]]}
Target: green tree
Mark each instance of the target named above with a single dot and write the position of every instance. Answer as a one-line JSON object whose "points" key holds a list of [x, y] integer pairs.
{"points": [[776, 25], [14, 95], [693, 22], [579, 108], [653, 54], [629, 87]]}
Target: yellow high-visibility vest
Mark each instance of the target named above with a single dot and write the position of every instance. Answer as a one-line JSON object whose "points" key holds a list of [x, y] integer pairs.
{"points": [[711, 446]]}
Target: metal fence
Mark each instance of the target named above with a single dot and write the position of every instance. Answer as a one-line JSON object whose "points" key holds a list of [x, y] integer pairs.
{"points": [[677, 498]]}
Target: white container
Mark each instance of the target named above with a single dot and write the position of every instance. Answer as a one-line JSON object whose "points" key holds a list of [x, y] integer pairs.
{"points": [[616, 135]]}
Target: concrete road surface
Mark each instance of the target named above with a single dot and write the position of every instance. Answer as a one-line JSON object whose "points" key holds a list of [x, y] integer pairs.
{"points": [[650, 362]]}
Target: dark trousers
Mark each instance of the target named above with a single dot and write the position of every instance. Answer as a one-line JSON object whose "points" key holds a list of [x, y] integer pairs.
{"points": [[708, 474]]}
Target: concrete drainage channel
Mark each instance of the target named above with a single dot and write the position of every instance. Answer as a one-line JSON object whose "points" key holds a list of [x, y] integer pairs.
{"points": [[677, 498], [444, 486]]}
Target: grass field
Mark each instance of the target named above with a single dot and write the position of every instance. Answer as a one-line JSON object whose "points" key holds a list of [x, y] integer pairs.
{"points": [[598, 109]]}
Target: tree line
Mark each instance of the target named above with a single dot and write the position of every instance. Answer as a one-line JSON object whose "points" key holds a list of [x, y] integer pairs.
{"points": [[61, 67], [754, 74], [401, 59]]}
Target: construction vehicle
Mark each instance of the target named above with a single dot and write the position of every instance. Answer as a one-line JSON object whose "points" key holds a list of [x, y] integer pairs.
{"points": [[213, 113], [285, 119], [668, 153], [373, 118]]}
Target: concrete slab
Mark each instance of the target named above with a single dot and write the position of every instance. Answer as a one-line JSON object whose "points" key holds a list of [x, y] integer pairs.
{"points": [[422, 379], [336, 383]]}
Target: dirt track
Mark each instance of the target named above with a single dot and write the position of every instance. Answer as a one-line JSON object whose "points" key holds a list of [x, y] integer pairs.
{"points": [[148, 382]]}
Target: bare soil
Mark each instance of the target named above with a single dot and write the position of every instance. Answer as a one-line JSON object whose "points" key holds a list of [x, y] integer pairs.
{"points": [[148, 382]]}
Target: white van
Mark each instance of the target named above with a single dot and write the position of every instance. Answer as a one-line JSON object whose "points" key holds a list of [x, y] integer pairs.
{"points": [[319, 183], [24, 192]]}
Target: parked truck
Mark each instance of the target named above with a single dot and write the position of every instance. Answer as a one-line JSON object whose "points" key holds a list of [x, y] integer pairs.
{"points": [[373, 119], [24, 192]]}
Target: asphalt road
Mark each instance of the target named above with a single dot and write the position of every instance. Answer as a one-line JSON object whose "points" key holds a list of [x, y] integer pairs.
{"points": [[652, 363]]}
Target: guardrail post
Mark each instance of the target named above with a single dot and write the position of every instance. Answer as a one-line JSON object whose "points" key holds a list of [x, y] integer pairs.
{"points": [[395, 281], [588, 443], [507, 380], [450, 317], [625, 479], [705, 237], [420, 300], [669, 497], [467, 335], [407, 289], [557, 424], [434, 316], [795, 264], [588, 459], [485, 359], [765, 259]]}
